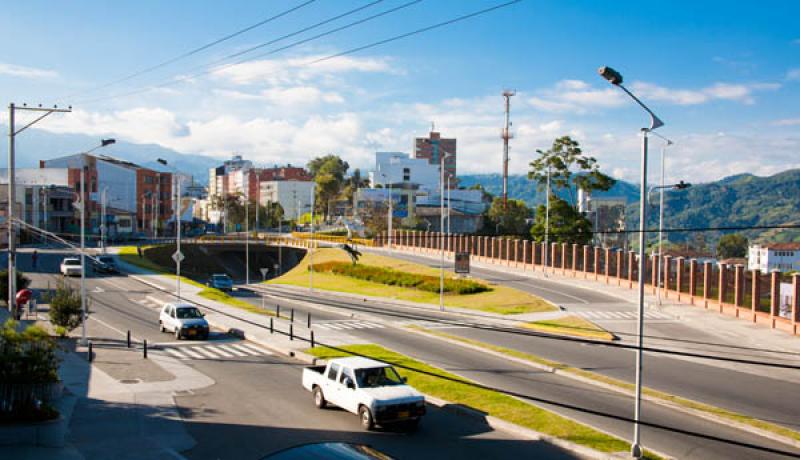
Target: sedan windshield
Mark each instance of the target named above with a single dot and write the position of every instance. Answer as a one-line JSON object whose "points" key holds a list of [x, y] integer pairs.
{"points": [[188, 313], [72, 262], [377, 377]]}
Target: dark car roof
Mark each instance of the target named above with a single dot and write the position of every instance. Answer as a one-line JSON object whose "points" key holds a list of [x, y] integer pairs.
{"points": [[329, 451]]}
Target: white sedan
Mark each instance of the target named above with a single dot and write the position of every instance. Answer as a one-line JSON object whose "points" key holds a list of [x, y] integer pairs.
{"points": [[71, 266], [183, 320]]}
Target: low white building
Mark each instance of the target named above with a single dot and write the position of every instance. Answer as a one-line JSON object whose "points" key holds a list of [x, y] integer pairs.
{"points": [[294, 196], [402, 171], [774, 256]]}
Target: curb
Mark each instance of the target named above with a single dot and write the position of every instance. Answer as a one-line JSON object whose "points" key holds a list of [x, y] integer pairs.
{"points": [[606, 386]]}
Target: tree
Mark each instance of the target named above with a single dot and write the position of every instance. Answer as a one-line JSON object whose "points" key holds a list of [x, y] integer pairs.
{"points": [[568, 166], [567, 225], [22, 282], [65, 309], [510, 219], [329, 173], [732, 245]]}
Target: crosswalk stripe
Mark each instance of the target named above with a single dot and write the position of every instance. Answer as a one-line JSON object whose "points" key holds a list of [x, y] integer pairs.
{"points": [[244, 349], [191, 353], [220, 351], [208, 352], [175, 353], [236, 352], [376, 326], [255, 348]]}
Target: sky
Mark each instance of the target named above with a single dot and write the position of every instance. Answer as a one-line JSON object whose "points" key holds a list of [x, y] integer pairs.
{"points": [[724, 76]]}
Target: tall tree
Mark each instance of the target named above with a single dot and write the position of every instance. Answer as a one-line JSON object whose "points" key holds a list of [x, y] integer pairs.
{"points": [[568, 166], [329, 173], [567, 225], [732, 245], [510, 219]]}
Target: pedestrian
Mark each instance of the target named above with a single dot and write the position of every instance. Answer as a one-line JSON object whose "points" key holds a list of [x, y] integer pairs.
{"points": [[35, 258], [139, 250]]}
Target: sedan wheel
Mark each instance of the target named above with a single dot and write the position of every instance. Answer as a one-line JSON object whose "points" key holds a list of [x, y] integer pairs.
{"points": [[319, 399], [161, 327]]}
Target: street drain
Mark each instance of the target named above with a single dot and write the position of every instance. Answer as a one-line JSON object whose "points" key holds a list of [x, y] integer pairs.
{"points": [[130, 381]]}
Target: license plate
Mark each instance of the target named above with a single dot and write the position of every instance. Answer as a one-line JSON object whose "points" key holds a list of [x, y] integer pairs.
{"points": [[403, 414], [191, 332]]}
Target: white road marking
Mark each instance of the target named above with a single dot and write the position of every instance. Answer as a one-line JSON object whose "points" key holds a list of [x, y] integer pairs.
{"points": [[235, 351], [255, 348], [175, 353], [191, 353], [244, 349], [207, 351]]}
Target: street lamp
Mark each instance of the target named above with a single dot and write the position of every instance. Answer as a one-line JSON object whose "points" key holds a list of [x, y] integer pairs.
{"points": [[178, 255], [547, 224], [441, 227], [103, 143], [615, 78], [390, 212], [679, 186]]}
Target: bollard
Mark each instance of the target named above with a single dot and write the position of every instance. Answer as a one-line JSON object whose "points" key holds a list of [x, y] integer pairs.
{"points": [[129, 338], [291, 319], [291, 331], [312, 339], [277, 310], [145, 348], [90, 351], [271, 327], [309, 320]]}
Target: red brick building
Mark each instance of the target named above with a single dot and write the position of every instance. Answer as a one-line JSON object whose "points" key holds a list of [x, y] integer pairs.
{"points": [[432, 148]]}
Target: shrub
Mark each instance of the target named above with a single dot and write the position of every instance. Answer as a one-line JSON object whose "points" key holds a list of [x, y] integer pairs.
{"points": [[399, 278], [65, 309], [22, 283]]}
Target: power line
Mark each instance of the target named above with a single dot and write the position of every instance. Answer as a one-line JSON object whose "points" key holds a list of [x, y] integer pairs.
{"points": [[283, 48], [193, 51]]}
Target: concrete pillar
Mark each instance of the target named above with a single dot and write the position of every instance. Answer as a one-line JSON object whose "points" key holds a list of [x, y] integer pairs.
{"points": [[563, 258], [516, 253], [607, 263], [544, 248], [795, 302], [553, 256], [585, 261], [665, 274], [692, 280], [654, 262], [631, 261], [679, 276], [534, 251], [707, 268], [574, 258], [618, 271], [774, 296], [755, 291], [738, 285], [723, 279], [596, 262]]}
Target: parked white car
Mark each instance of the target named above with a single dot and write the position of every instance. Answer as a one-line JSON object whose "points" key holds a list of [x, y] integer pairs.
{"points": [[369, 388], [71, 266], [183, 320]]}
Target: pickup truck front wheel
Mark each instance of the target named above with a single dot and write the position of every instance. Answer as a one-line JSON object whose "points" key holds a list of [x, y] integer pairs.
{"points": [[319, 398], [367, 422]]}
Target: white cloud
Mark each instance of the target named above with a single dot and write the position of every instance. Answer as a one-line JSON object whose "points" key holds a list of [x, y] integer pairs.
{"points": [[793, 74], [787, 122], [295, 96], [26, 72], [295, 70], [575, 96], [718, 91]]}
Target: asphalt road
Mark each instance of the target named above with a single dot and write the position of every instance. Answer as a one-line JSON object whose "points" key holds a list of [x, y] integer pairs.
{"points": [[257, 405]]}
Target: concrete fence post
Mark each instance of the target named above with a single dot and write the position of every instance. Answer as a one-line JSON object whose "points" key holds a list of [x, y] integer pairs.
{"points": [[563, 258], [618, 271], [679, 276], [692, 280], [596, 262], [723, 288], [534, 250], [755, 292], [553, 256], [630, 269], [707, 270], [774, 297], [607, 263], [795, 302], [738, 285], [585, 261], [525, 253], [574, 259], [665, 274], [655, 262]]}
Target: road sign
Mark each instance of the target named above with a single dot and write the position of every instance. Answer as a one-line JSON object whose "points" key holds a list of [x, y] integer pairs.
{"points": [[462, 262], [264, 272], [178, 257]]}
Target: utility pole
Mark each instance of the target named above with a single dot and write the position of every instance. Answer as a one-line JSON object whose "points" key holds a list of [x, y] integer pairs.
{"points": [[547, 223], [506, 136], [103, 218], [12, 242], [247, 240], [158, 203]]}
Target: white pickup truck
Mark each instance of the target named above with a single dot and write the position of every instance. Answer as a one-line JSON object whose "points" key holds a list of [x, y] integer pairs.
{"points": [[369, 388]]}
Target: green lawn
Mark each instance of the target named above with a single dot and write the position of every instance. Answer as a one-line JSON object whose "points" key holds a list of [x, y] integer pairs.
{"points": [[500, 299], [441, 384]]}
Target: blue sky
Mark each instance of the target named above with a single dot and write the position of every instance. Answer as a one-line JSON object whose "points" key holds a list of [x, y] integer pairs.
{"points": [[725, 78]]}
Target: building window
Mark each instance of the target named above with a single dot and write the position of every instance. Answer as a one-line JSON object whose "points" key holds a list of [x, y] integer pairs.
{"points": [[406, 174]]}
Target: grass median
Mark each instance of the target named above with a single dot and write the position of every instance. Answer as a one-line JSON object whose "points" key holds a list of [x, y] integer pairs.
{"points": [[129, 254], [623, 385], [501, 299], [458, 390], [570, 325]]}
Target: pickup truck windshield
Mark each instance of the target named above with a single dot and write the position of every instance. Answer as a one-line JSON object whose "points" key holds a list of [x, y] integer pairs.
{"points": [[377, 377]]}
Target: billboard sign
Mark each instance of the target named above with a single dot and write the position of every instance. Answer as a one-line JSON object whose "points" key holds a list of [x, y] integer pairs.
{"points": [[462, 262]]}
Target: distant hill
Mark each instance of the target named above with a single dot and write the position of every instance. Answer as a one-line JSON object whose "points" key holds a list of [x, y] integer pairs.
{"points": [[36, 144], [741, 200]]}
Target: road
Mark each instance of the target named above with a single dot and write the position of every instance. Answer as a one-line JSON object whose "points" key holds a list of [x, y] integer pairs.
{"points": [[257, 405]]}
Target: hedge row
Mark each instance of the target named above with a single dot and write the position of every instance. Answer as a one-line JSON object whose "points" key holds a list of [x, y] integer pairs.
{"points": [[398, 278]]}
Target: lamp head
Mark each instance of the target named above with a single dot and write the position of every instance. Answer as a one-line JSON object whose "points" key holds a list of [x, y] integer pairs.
{"points": [[106, 142], [613, 77], [162, 161], [682, 185]]}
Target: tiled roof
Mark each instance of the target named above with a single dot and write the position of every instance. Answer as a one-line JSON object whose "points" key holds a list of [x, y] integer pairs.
{"points": [[782, 246]]}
